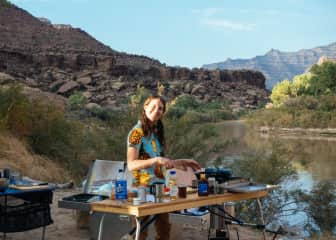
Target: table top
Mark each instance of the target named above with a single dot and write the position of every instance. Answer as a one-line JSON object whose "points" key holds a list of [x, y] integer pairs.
{"points": [[192, 201], [13, 191]]}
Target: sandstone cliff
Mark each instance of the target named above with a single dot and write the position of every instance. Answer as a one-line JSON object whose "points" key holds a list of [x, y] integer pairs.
{"points": [[62, 59]]}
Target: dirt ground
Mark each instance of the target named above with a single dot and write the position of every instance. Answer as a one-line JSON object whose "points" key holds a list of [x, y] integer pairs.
{"points": [[65, 227]]}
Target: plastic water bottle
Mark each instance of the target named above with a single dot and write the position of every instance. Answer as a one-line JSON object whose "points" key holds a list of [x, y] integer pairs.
{"points": [[173, 190], [121, 186]]}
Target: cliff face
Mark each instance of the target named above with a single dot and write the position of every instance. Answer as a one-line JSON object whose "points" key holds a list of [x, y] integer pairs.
{"points": [[61, 59], [277, 65]]}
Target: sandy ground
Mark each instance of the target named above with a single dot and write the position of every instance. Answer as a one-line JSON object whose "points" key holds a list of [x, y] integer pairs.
{"points": [[65, 227]]}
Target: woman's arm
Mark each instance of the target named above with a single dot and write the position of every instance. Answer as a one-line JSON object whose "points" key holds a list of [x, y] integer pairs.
{"points": [[133, 163]]}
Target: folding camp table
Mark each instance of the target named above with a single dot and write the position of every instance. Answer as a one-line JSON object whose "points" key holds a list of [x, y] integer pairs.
{"points": [[192, 201], [25, 209]]}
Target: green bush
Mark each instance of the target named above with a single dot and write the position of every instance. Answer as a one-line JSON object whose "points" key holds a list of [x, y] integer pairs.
{"points": [[77, 101], [15, 110], [175, 112], [327, 103], [187, 102]]}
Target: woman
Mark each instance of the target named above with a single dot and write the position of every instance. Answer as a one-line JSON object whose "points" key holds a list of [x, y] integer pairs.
{"points": [[145, 158]]}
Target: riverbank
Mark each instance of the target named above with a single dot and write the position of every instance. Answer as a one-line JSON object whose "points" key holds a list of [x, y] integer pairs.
{"points": [[305, 131], [326, 134]]}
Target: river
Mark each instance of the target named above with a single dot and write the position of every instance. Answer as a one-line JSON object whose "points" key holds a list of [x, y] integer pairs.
{"points": [[312, 157]]}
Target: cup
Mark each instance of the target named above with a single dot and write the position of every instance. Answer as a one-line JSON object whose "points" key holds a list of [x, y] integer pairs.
{"points": [[142, 194], [182, 191], [157, 189]]}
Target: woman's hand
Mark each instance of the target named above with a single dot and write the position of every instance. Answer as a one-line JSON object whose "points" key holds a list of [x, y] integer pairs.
{"points": [[166, 162], [184, 163]]}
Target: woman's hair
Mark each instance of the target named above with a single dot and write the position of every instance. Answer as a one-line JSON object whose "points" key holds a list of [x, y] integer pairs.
{"points": [[158, 127]]}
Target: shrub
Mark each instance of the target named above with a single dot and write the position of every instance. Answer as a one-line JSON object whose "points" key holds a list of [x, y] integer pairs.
{"points": [[174, 112], [77, 101], [327, 103], [186, 101]]}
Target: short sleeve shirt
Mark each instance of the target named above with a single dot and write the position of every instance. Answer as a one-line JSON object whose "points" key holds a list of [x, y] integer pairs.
{"points": [[148, 147]]}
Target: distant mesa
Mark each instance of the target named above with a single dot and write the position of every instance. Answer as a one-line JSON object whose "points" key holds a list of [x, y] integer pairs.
{"points": [[277, 65]]}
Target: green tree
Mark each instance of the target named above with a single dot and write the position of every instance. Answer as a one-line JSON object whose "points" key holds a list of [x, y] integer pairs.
{"points": [[323, 80], [302, 84], [281, 92]]}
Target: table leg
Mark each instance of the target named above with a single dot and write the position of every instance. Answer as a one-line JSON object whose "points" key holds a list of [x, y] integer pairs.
{"points": [[138, 227], [4, 234], [43, 232], [100, 233], [261, 212]]}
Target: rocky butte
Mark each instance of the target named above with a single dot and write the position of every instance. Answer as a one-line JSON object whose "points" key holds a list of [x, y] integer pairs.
{"points": [[62, 59]]}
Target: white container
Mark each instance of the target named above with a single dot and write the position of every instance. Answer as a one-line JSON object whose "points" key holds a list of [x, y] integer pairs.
{"points": [[173, 189]]}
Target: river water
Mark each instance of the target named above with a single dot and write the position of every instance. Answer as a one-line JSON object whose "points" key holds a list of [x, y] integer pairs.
{"points": [[313, 157]]}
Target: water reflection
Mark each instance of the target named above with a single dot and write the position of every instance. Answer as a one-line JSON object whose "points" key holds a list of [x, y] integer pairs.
{"points": [[310, 155], [269, 156]]}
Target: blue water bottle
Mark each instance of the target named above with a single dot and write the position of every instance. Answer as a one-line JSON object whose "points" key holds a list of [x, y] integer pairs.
{"points": [[121, 186]]}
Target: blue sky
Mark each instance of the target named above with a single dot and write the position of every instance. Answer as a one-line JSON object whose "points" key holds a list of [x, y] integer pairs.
{"points": [[194, 32]]}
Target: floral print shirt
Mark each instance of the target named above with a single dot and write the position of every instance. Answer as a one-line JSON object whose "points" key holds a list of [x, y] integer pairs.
{"points": [[148, 147]]}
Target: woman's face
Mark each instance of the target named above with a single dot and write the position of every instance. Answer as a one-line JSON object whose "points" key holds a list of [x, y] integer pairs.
{"points": [[154, 110]]}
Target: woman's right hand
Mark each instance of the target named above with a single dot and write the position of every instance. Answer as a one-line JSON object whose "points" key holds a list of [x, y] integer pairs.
{"points": [[166, 162]]}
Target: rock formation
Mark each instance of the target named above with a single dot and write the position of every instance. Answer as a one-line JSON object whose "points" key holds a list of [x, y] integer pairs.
{"points": [[63, 60], [277, 65]]}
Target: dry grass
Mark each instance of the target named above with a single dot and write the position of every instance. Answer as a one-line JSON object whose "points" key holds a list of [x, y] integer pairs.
{"points": [[15, 155]]}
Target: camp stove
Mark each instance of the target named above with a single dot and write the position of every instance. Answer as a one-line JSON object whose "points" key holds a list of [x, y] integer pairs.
{"points": [[97, 187]]}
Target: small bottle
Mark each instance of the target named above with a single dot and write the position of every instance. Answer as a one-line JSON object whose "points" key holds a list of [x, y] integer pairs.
{"points": [[203, 186], [121, 186], [212, 183], [173, 190]]}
